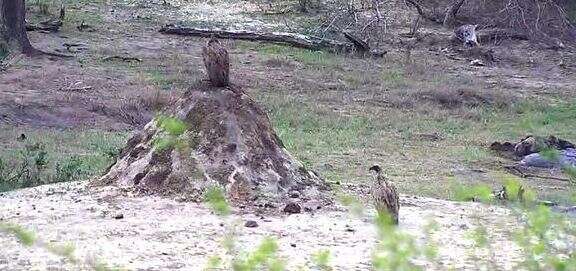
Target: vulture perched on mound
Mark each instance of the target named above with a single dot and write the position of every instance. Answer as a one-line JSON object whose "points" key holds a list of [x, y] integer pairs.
{"points": [[217, 63]]}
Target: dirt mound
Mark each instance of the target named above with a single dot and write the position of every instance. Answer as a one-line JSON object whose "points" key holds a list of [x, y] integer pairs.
{"points": [[213, 136]]}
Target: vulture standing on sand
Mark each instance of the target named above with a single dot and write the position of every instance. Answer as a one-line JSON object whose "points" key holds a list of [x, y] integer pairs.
{"points": [[384, 195], [217, 63]]}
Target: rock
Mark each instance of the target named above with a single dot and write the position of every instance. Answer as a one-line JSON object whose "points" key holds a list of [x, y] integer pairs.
{"points": [[293, 245], [349, 229], [477, 63], [312, 205], [292, 208], [565, 158], [251, 224], [294, 194]]}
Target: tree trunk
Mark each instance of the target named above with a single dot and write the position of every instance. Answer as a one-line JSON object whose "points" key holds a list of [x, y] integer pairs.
{"points": [[13, 26]]}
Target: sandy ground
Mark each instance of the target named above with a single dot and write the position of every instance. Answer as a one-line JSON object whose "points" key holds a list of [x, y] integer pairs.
{"points": [[163, 234]]}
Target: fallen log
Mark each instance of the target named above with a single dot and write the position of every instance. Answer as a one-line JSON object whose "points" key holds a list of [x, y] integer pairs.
{"points": [[47, 26], [292, 39], [497, 34]]}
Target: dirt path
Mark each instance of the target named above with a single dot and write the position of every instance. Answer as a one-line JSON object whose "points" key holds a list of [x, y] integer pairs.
{"points": [[163, 234]]}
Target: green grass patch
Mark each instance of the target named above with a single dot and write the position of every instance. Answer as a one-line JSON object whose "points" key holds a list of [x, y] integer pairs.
{"points": [[304, 56], [535, 119], [394, 78], [471, 154], [309, 132], [47, 156], [322, 259]]}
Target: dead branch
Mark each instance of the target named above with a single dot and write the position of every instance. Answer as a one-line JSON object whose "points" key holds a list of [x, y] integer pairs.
{"points": [[292, 39], [9, 61], [122, 58], [75, 88], [496, 34], [415, 26], [518, 172], [48, 26], [361, 46], [423, 12], [450, 14]]}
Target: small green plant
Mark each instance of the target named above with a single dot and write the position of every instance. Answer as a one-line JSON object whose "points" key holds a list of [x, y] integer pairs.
{"points": [[216, 199], [66, 251], [28, 238], [28, 169], [395, 249], [25, 237], [171, 125], [263, 257], [430, 248], [173, 128], [480, 192], [322, 259], [213, 263], [394, 78], [479, 236], [352, 203], [69, 170]]}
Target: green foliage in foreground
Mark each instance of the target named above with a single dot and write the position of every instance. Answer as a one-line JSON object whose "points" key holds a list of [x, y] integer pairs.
{"points": [[66, 251], [547, 239], [396, 250], [25, 237], [263, 257], [322, 259], [216, 200]]}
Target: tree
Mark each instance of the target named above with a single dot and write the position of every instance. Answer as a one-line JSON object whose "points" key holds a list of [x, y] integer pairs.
{"points": [[13, 27]]}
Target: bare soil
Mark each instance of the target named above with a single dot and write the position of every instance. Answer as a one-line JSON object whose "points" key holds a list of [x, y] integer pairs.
{"points": [[163, 234]]}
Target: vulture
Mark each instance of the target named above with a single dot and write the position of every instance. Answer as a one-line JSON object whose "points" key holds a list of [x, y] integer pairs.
{"points": [[217, 63], [384, 195]]}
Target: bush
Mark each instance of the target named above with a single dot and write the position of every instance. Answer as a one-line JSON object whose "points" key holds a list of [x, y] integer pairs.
{"points": [[32, 165]]}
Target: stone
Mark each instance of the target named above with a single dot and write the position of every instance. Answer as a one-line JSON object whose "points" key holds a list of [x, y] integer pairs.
{"points": [[477, 63], [294, 194], [292, 208], [565, 158], [251, 224]]}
